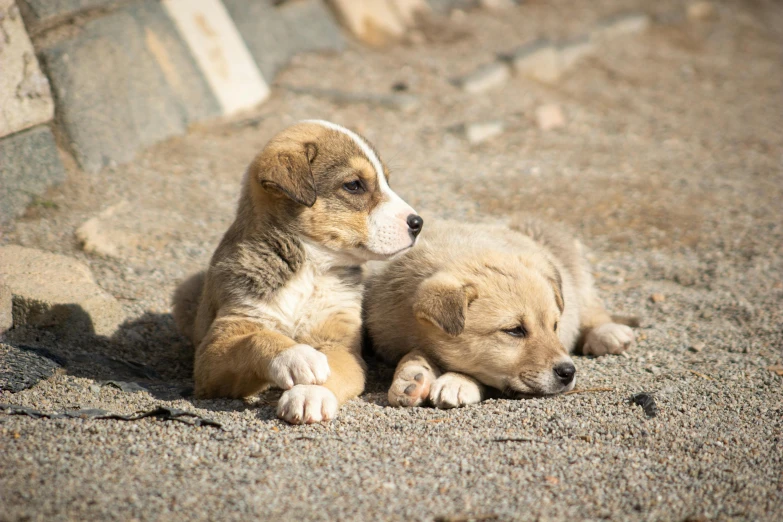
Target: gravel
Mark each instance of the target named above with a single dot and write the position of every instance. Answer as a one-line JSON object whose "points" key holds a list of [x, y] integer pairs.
{"points": [[669, 169]]}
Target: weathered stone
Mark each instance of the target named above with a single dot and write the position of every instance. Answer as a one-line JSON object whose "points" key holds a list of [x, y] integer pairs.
{"points": [[220, 52], [22, 367], [42, 14], [574, 50], [486, 77], [374, 22], [701, 10], [51, 290], [539, 60], [6, 309], [480, 132], [25, 97], [29, 164], [274, 34], [124, 82], [550, 116], [622, 25]]}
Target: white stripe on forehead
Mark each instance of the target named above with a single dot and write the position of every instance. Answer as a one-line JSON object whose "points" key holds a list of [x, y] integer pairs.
{"points": [[365, 148]]}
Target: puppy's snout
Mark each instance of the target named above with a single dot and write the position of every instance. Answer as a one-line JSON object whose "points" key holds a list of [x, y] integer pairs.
{"points": [[415, 224], [565, 372]]}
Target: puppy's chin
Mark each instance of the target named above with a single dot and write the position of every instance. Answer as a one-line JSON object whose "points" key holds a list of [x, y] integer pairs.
{"points": [[369, 255], [517, 389]]}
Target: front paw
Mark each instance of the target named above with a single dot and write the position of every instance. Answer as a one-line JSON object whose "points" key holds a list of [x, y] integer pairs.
{"points": [[300, 364], [306, 404], [411, 385], [608, 338], [453, 390]]}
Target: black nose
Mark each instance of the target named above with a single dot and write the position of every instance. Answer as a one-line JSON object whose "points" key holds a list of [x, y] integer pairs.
{"points": [[565, 372], [414, 224]]}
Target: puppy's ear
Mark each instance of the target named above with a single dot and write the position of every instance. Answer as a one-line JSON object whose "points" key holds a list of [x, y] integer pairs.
{"points": [[443, 300], [556, 281], [286, 169]]}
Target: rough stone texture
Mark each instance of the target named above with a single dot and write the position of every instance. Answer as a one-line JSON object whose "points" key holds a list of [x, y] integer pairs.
{"points": [[41, 14], [480, 132], [374, 22], [486, 77], [550, 116], [124, 82], [25, 97], [51, 290], [6, 309], [540, 60], [275, 34], [22, 367], [29, 164], [620, 25]]}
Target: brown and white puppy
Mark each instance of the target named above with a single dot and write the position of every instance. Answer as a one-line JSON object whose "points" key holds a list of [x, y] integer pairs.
{"points": [[280, 304], [477, 306]]}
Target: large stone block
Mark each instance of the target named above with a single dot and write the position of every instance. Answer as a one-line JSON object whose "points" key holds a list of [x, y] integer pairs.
{"points": [[42, 14], [274, 34], [124, 82], [25, 97], [29, 164], [51, 290]]}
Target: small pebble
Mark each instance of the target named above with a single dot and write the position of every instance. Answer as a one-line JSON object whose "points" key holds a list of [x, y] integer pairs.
{"points": [[657, 298], [480, 132], [486, 77], [701, 10], [550, 117]]}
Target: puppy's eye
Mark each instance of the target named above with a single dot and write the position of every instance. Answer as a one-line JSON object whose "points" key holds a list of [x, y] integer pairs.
{"points": [[518, 331], [354, 187]]}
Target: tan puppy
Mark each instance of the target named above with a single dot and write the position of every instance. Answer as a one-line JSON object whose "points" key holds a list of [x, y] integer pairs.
{"points": [[280, 303], [476, 306]]}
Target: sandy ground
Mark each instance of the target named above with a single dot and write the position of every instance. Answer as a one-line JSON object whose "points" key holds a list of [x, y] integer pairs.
{"points": [[669, 168]]}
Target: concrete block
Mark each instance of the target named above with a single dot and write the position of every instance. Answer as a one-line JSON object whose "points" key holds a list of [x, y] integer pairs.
{"points": [[374, 22], [220, 52], [540, 60], [25, 97], [274, 34], [124, 82], [42, 14], [29, 164], [51, 290]]}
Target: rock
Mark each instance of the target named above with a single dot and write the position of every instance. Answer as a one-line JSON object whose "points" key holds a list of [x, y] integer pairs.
{"points": [[212, 38], [701, 10], [51, 290], [574, 50], [123, 82], [657, 298], [486, 77], [29, 164], [43, 14], [22, 367], [621, 25], [539, 60], [6, 309], [274, 34], [395, 101], [550, 116], [696, 347], [95, 388], [480, 132], [374, 22], [25, 97]]}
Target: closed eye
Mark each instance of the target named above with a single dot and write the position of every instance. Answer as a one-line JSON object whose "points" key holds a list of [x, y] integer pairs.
{"points": [[354, 187], [517, 331]]}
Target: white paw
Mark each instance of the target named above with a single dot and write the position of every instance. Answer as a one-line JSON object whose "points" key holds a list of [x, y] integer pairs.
{"points": [[300, 364], [411, 385], [608, 338], [452, 390], [306, 404]]}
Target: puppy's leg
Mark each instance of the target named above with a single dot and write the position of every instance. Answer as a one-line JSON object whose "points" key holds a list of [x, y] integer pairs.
{"points": [[599, 334], [412, 380], [240, 357], [339, 340], [453, 390]]}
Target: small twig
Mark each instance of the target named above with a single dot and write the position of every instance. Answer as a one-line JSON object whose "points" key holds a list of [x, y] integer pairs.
{"points": [[466, 518], [589, 390], [439, 419], [694, 372], [518, 439]]}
